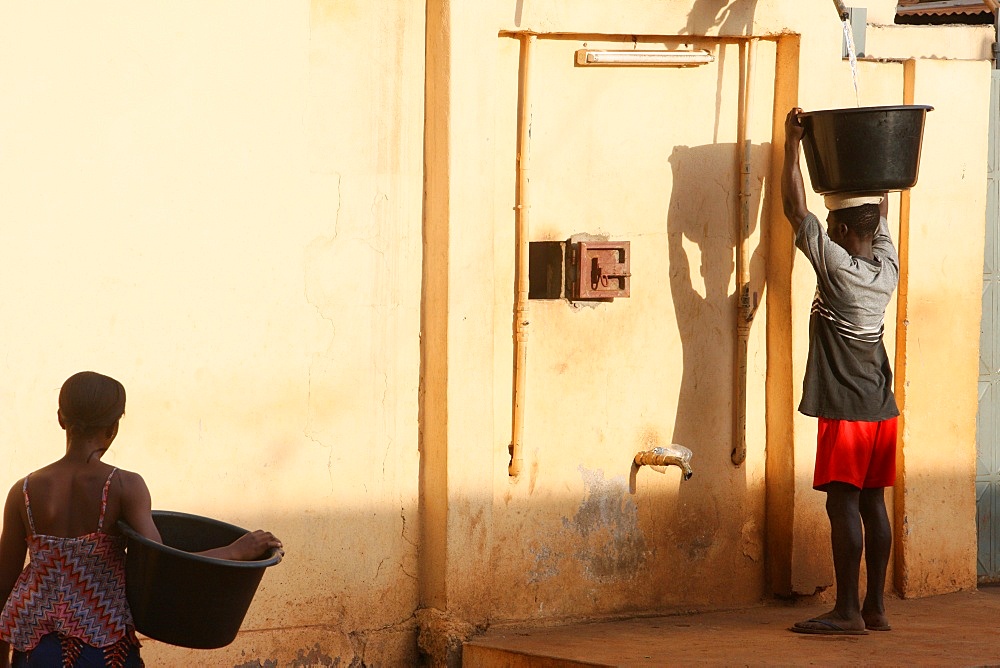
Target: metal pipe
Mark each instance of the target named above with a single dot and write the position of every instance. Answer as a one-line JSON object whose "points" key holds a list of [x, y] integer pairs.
{"points": [[745, 307], [842, 11], [522, 207], [996, 33]]}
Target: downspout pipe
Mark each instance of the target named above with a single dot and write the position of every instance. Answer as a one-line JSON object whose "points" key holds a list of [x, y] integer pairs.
{"points": [[745, 306], [522, 208], [996, 33]]}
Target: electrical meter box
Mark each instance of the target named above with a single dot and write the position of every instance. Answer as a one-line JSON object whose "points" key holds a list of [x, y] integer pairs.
{"points": [[599, 270]]}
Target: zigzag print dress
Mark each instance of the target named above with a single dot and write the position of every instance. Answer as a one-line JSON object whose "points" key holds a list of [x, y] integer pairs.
{"points": [[73, 588]]}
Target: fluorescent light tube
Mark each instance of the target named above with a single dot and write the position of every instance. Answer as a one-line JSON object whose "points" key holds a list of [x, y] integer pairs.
{"points": [[667, 58]]}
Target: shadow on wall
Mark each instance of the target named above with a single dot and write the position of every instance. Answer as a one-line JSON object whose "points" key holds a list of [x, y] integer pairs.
{"points": [[731, 18], [702, 221], [346, 592]]}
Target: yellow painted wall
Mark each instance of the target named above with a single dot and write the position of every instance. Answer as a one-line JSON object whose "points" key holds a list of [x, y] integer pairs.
{"points": [[619, 154], [220, 205], [936, 503], [934, 42], [568, 538], [297, 252]]}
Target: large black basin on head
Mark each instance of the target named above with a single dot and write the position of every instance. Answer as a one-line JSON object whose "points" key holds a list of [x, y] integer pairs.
{"points": [[865, 149], [186, 599]]}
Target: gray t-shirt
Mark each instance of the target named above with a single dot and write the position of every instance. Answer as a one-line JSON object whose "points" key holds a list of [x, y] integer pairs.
{"points": [[848, 376]]}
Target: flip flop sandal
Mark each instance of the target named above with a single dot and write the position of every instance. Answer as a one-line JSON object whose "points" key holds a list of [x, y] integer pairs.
{"points": [[826, 628]]}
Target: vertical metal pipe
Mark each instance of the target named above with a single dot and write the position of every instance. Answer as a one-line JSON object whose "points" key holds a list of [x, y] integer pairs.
{"points": [[900, 498], [744, 306], [996, 33], [523, 208]]}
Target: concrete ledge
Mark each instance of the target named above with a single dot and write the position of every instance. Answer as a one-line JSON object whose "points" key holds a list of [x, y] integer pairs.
{"points": [[953, 629]]}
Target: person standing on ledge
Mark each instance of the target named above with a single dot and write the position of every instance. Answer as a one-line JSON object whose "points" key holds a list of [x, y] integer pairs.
{"points": [[848, 386]]}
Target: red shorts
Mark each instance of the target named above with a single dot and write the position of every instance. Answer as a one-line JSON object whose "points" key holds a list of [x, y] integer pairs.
{"points": [[862, 454]]}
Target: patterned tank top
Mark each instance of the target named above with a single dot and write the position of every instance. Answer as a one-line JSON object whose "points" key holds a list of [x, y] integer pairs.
{"points": [[74, 587]]}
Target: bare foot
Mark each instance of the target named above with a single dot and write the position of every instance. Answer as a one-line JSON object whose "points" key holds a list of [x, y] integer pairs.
{"points": [[876, 620]]}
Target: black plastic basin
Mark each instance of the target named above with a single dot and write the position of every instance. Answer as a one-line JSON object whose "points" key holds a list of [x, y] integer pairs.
{"points": [[865, 149], [185, 599]]}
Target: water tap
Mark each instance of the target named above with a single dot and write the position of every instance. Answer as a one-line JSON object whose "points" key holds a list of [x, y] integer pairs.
{"points": [[675, 455]]}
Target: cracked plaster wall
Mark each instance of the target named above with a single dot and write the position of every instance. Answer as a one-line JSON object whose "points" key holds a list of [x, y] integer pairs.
{"points": [[226, 215], [648, 156], [220, 205], [614, 153]]}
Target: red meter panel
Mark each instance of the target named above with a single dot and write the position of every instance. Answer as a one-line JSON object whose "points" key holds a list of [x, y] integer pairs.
{"points": [[602, 270]]}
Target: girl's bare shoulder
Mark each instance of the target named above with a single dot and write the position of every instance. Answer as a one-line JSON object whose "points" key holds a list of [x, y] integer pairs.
{"points": [[16, 490], [130, 480]]}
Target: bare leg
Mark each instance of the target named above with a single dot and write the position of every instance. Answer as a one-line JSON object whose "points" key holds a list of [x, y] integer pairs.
{"points": [[846, 538], [878, 544]]}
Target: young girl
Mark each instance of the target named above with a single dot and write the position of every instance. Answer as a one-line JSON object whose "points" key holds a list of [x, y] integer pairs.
{"points": [[67, 607]]}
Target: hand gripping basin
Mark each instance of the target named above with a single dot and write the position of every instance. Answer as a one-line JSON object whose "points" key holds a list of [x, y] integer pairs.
{"points": [[186, 599]]}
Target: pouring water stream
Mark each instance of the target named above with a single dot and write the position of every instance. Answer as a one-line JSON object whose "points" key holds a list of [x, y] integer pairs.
{"points": [[853, 58]]}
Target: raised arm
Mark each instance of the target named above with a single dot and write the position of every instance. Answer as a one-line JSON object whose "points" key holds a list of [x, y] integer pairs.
{"points": [[793, 194], [13, 549]]}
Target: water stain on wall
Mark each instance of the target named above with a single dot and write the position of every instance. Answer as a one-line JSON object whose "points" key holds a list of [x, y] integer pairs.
{"points": [[694, 529], [611, 546], [545, 565], [304, 658], [257, 663], [317, 657]]}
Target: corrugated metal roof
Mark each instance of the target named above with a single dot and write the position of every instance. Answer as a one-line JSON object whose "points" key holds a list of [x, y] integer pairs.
{"points": [[941, 7]]}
